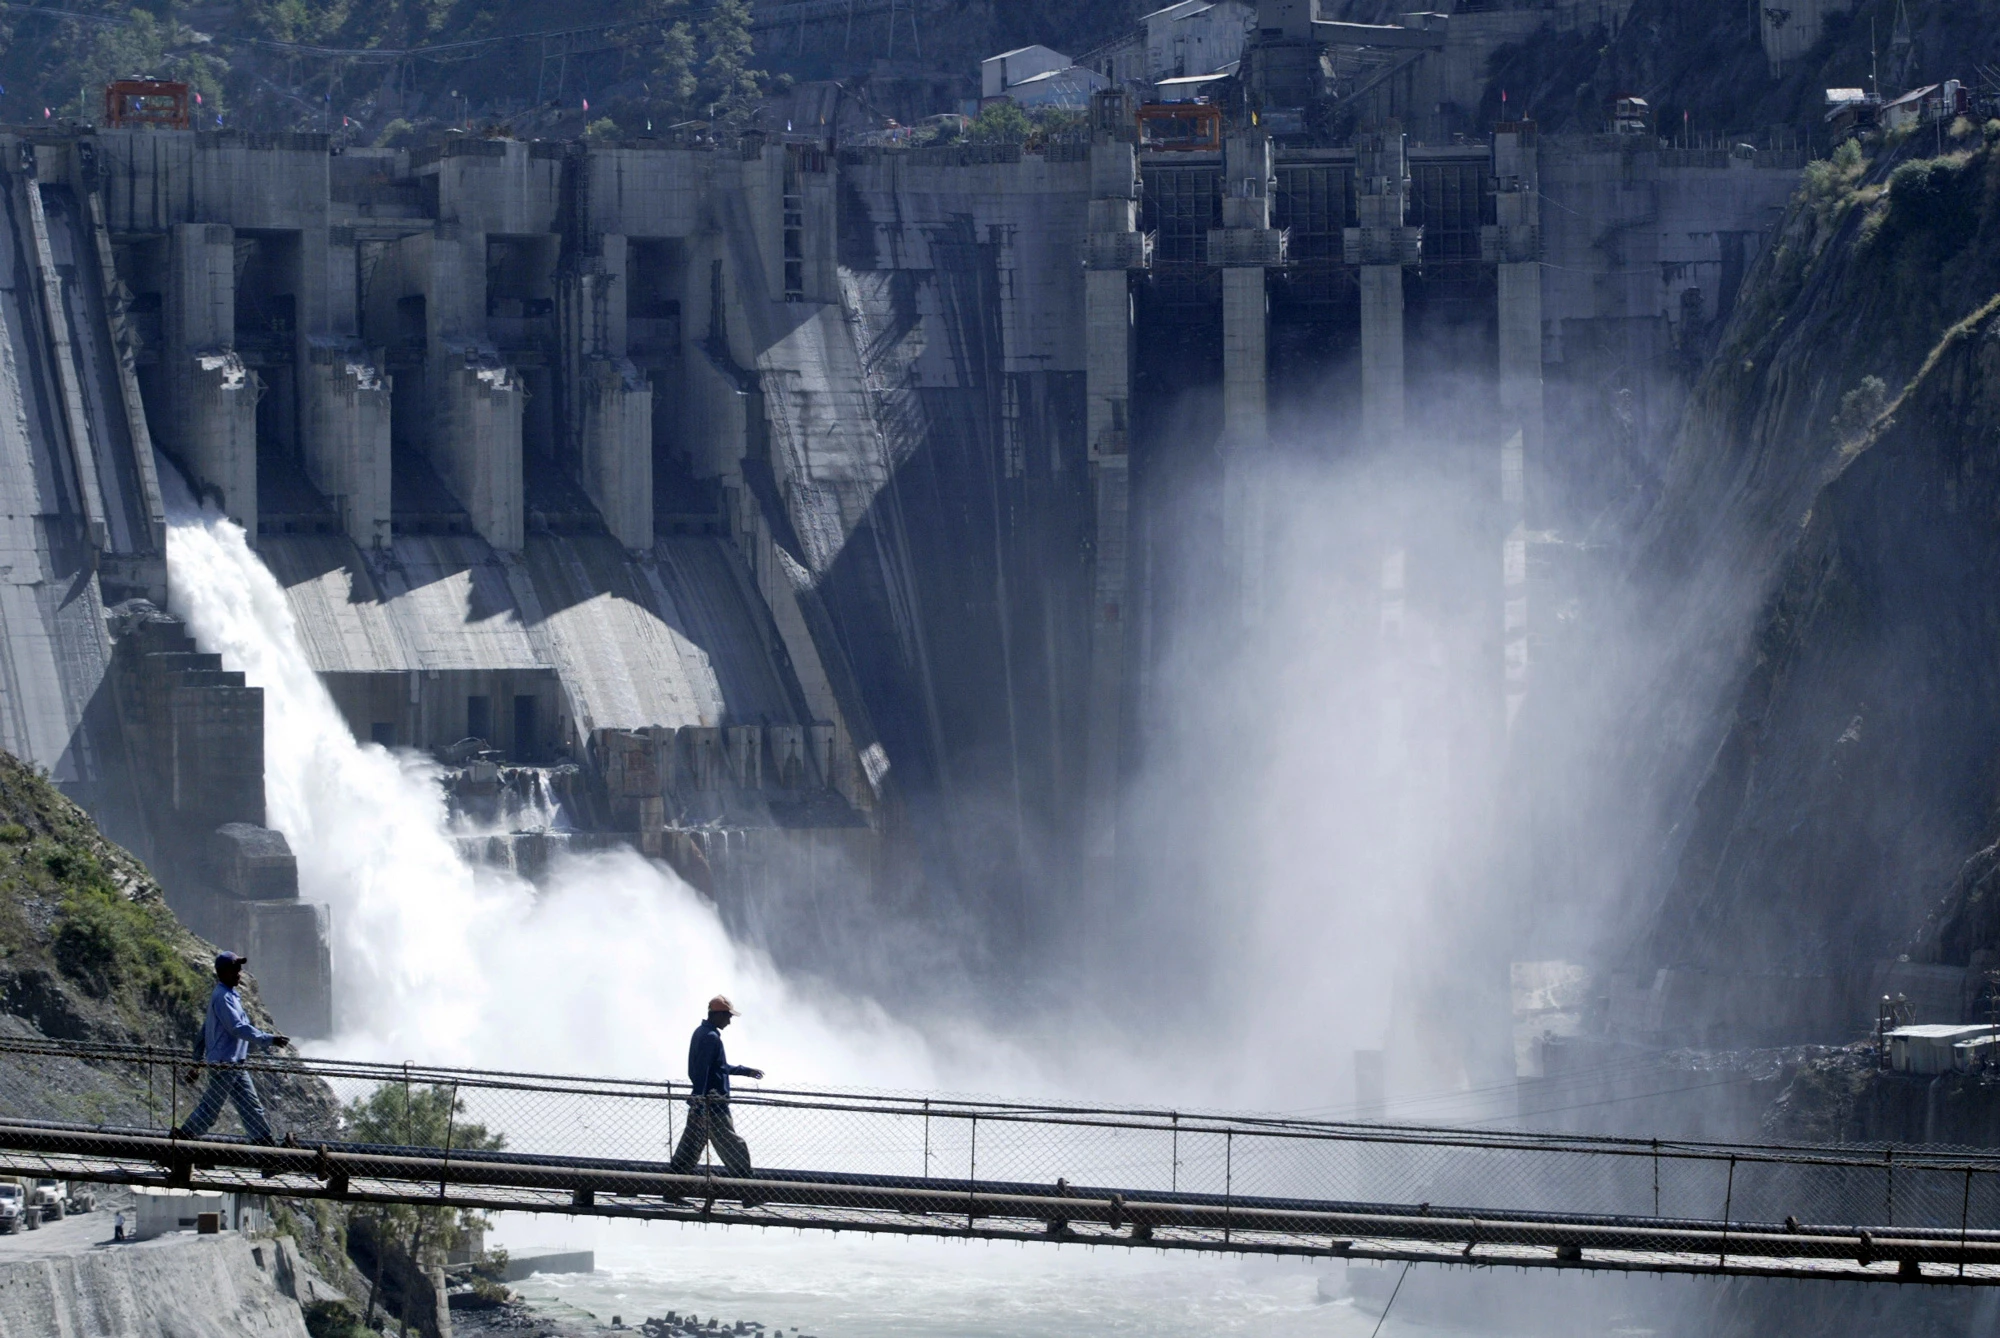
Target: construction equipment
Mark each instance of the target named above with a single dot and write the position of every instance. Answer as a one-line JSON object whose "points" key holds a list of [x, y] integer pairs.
{"points": [[161, 104]]}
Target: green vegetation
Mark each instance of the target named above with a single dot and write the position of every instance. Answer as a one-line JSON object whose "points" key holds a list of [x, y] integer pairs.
{"points": [[1001, 123], [1860, 408], [104, 940], [416, 1116], [1828, 183], [331, 1319], [75, 908], [1898, 255]]}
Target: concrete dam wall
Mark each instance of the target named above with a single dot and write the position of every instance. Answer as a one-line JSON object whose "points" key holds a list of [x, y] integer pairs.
{"points": [[795, 512]]}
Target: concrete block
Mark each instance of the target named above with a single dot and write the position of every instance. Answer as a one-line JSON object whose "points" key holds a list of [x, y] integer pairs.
{"points": [[630, 759], [290, 951], [346, 437], [823, 739], [1118, 251], [617, 448], [211, 740], [1248, 212], [218, 430], [253, 863], [1113, 215], [201, 296], [1384, 244], [1114, 171], [788, 769], [745, 745], [475, 440], [703, 760], [1248, 246]]}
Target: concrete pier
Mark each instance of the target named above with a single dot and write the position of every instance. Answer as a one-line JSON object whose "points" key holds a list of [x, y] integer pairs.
{"points": [[1382, 405], [211, 417], [1116, 247], [1512, 244], [1246, 247], [345, 437], [610, 401], [1382, 245]]}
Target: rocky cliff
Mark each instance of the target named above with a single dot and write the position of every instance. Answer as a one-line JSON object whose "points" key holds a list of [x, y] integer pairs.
{"points": [[1836, 492], [89, 951]]}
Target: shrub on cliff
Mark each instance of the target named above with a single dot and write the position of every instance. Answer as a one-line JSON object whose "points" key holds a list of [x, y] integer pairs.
{"points": [[88, 946]]}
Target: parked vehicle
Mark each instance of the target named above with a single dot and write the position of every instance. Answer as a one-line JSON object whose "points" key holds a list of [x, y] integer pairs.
{"points": [[50, 1198], [13, 1206], [22, 1192]]}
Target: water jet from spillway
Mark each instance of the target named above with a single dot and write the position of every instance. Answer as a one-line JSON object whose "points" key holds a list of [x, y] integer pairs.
{"points": [[603, 968]]}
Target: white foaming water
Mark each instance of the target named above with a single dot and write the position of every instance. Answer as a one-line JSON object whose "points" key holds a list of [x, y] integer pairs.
{"points": [[605, 969]]}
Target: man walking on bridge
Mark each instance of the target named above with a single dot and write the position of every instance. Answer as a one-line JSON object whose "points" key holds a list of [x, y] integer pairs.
{"points": [[708, 1107], [227, 1034]]}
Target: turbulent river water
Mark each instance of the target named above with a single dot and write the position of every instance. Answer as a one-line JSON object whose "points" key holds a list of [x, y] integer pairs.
{"points": [[851, 1288]]}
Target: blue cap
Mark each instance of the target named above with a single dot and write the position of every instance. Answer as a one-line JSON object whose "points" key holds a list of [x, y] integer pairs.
{"points": [[223, 959]]}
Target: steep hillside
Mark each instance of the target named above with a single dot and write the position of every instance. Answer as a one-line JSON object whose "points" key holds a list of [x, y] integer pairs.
{"points": [[90, 952], [1840, 475]]}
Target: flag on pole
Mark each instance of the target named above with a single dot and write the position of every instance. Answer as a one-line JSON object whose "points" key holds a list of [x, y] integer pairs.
{"points": [[586, 104]]}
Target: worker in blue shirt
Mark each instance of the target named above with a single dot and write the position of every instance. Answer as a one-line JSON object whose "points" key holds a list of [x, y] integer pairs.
{"points": [[227, 1034], [708, 1106]]}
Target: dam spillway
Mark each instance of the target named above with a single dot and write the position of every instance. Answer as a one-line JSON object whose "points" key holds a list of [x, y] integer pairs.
{"points": [[811, 502]]}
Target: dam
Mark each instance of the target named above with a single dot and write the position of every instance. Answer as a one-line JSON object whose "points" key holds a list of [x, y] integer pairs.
{"points": [[801, 513]]}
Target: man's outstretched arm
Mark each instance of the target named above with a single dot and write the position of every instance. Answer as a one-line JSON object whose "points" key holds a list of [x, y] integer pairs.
{"points": [[243, 1029]]}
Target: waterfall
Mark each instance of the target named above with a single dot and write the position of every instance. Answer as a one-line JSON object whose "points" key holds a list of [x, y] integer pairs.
{"points": [[603, 968]]}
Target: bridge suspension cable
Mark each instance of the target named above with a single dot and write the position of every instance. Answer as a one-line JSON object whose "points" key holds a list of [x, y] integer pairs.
{"points": [[930, 1165]]}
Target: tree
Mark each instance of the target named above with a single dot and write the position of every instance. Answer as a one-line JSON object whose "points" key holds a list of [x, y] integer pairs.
{"points": [[401, 1115], [674, 82], [1001, 122], [728, 84]]}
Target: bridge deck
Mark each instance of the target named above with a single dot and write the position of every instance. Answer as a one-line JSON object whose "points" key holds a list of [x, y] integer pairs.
{"points": [[952, 1166]]}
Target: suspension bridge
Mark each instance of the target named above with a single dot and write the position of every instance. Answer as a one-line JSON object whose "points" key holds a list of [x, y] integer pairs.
{"points": [[1126, 1177]]}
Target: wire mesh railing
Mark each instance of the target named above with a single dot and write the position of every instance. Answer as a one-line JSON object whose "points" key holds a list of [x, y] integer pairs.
{"points": [[947, 1165]]}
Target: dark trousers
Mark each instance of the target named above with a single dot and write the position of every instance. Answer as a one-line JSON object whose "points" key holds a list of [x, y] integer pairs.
{"points": [[709, 1122], [232, 1084]]}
